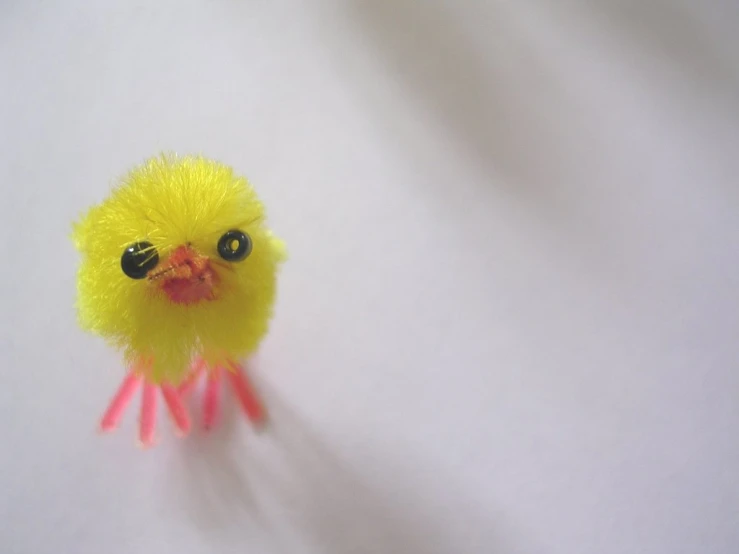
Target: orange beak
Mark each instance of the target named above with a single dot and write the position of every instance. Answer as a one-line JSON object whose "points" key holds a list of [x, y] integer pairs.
{"points": [[186, 277]]}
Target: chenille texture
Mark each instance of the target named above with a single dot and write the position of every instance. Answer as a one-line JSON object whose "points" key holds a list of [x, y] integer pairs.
{"points": [[171, 201]]}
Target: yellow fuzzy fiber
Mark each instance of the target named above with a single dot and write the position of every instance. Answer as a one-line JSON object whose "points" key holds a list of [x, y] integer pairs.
{"points": [[171, 201]]}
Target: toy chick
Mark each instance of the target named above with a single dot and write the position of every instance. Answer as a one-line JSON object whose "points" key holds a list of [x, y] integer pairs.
{"points": [[178, 271]]}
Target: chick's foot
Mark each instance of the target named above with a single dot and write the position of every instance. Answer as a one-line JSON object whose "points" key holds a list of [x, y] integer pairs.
{"points": [[148, 411], [239, 383]]}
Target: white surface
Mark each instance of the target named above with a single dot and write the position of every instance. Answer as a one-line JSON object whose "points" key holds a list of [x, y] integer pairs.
{"points": [[510, 319]]}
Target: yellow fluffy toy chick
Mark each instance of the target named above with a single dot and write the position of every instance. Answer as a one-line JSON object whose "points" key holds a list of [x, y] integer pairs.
{"points": [[178, 271]]}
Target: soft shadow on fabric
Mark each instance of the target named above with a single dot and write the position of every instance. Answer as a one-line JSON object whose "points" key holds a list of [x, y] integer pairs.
{"points": [[225, 486]]}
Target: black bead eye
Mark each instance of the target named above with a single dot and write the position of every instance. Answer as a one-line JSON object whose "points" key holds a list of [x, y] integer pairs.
{"points": [[138, 259], [234, 246]]}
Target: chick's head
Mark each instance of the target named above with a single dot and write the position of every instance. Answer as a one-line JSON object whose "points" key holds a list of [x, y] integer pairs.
{"points": [[178, 262]]}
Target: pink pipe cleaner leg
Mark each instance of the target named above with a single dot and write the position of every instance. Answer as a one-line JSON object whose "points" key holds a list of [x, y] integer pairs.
{"points": [[148, 418], [211, 400], [176, 409], [118, 404], [246, 394], [195, 372]]}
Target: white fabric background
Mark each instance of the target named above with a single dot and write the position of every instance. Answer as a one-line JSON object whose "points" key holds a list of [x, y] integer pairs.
{"points": [[509, 322]]}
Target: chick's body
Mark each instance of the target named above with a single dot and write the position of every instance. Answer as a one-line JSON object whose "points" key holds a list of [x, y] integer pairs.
{"points": [[192, 297]]}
